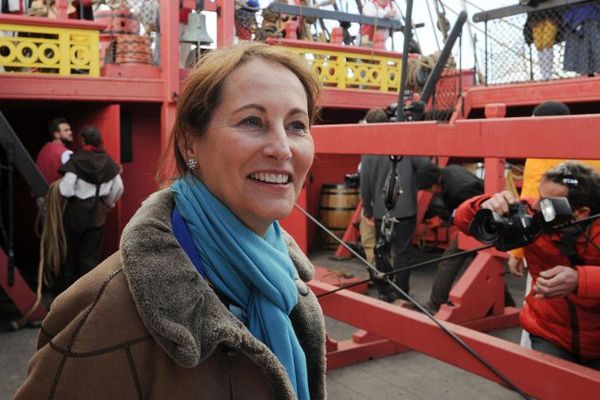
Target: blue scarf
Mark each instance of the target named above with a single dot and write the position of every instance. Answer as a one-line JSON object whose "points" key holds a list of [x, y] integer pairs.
{"points": [[255, 272]]}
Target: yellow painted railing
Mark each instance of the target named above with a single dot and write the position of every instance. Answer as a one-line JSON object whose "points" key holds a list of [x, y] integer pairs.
{"points": [[353, 70], [49, 50]]}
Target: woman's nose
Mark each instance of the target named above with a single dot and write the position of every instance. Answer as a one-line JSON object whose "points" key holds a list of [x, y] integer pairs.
{"points": [[278, 146]]}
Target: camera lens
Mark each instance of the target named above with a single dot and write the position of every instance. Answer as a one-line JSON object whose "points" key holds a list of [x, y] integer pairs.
{"points": [[484, 227]]}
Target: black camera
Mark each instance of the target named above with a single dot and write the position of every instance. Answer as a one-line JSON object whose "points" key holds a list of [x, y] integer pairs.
{"points": [[519, 228]]}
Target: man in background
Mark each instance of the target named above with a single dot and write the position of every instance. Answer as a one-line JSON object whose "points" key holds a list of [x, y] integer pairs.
{"points": [[56, 152], [374, 171], [91, 185], [455, 184]]}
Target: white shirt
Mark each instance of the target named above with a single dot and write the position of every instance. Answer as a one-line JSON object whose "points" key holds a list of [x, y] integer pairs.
{"points": [[111, 191], [374, 9], [64, 157]]}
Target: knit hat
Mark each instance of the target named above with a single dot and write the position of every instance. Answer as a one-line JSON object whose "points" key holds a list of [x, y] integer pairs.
{"points": [[551, 108]]}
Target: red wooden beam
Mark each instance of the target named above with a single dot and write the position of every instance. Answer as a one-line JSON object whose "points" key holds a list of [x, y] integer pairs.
{"points": [[169, 62], [15, 86], [19, 293], [574, 90], [540, 375], [356, 99], [479, 293], [349, 50], [51, 22], [574, 136]]}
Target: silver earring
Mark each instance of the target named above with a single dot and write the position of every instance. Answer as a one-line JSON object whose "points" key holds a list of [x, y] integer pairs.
{"points": [[192, 164]]}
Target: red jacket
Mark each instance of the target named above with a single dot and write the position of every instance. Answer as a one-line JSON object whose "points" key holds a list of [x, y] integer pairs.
{"points": [[550, 318]]}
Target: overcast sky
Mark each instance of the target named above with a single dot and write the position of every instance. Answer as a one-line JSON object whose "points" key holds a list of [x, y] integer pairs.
{"points": [[426, 35]]}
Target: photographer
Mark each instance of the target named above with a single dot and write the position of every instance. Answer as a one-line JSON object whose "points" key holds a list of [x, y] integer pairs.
{"points": [[562, 311]]}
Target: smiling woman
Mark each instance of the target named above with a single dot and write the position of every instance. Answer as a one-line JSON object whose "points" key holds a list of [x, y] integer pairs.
{"points": [[206, 297], [257, 147]]}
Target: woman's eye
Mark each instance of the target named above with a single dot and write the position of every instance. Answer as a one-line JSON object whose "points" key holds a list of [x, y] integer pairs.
{"points": [[252, 122], [297, 126]]}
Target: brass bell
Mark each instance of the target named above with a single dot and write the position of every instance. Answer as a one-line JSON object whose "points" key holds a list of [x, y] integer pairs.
{"points": [[195, 32]]}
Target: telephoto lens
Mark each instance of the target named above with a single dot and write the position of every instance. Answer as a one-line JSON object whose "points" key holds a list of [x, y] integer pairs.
{"points": [[483, 227], [517, 229]]}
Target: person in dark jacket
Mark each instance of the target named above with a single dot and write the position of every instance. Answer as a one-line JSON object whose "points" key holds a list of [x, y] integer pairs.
{"points": [[582, 32], [455, 184], [562, 310], [374, 169], [92, 185]]}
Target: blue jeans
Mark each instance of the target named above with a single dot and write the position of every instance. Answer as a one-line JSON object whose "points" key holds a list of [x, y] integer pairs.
{"points": [[544, 346]]}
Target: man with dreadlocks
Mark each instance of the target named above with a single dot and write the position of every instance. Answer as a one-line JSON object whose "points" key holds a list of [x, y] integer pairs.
{"points": [[562, 310], [91, 184]]}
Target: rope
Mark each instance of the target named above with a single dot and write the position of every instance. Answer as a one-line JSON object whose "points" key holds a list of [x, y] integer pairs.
{"points": [[427, 62], [413, 30], [442, 24], [500, 43], [432, 25], [53, 246]]}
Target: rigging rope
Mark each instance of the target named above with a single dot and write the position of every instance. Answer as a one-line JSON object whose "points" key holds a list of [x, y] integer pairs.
{"points": [[472, 37], [437, 43], [413, 29], [502, 44], [427, 62], [442, 24], [53, 246]]}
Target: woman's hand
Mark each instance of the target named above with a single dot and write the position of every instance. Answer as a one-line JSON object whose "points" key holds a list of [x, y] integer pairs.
{"points": [[500, 202], [559, 281], [515, 266]]}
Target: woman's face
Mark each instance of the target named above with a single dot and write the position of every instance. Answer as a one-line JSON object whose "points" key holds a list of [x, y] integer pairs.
{"points": [[257, 149]]}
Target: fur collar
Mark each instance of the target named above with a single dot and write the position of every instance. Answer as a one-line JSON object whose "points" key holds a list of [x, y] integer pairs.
{"points": [[182, 312]]}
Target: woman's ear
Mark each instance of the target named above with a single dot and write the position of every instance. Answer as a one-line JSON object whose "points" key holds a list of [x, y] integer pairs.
{"points": [[185, 147]]}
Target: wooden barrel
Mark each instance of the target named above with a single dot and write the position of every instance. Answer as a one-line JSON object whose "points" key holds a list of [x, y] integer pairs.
{"points": [[132, 49], [337, 205]]}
